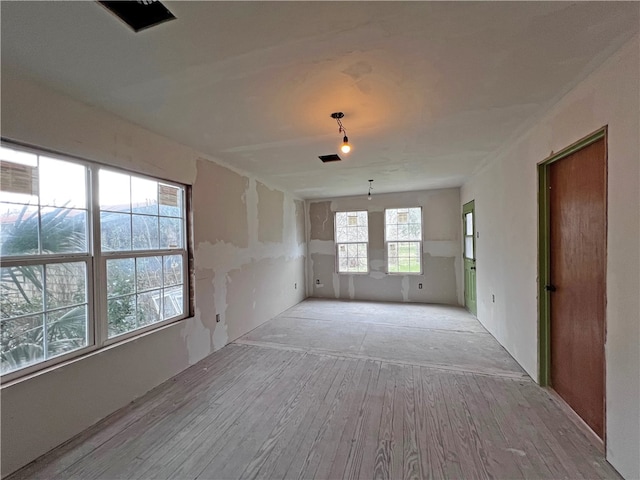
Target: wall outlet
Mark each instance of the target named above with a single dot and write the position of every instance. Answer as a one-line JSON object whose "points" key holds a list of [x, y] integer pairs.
{"points": [[295, 286], [493, 298], [317, 281], [217, 318], [420, 286]]}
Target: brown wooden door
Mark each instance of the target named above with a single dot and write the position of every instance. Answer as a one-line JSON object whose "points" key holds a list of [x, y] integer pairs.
{"points": [[577, 201]]}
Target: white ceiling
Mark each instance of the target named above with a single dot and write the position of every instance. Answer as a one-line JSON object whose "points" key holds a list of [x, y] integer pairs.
{"points": [[430, 90]]}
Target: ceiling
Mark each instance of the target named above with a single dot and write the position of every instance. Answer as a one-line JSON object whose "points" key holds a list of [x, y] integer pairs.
{"points": [[430, 90]]}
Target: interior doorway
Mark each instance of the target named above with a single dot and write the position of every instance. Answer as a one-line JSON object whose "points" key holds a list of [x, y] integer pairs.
{"points": [[573, 199]]}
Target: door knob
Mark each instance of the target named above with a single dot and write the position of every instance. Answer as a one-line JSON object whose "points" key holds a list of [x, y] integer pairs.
{"points": [[472, 268], [550, 288]]}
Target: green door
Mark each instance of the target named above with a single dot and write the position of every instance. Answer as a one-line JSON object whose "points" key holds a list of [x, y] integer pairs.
{"points": [[469, 229]]}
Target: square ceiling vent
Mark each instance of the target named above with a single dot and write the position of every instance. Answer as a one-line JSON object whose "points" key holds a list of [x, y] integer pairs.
{"points": [[329, 158], [140, 14]]}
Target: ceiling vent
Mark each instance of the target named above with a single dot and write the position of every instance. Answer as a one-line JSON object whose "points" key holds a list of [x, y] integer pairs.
{"points": [[329, 158], [140, 14]]}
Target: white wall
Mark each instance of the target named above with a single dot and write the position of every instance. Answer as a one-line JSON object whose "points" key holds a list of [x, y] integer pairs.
{"points": [[249, 257], [505, 196], [442, 251]]}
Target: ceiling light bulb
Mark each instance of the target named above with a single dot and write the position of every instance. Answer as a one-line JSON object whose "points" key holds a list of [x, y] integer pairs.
{"points": [[369, 196], [346, 148]]}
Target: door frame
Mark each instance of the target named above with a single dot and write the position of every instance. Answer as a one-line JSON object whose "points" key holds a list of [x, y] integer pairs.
{"points": [[544, 254], [470, 206]]}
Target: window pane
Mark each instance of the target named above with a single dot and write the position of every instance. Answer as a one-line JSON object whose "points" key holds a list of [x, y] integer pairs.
{"points": [[414, 265], [62, 184], [170, 232], [66, 284], [21, 290], [21, 342], [120, 277], [391, 216], [18, 229], [341, 219], [172, 270], [18, 176], [66, 330], [341, 234], [173, 302], [121, 314], [343, 263], [63, 230], [393, 264], [362, 265], [145, 232], [115, 231], [149, 307], [148, 273], [468, 247], [468, 222], [391, 232], [115, 191], [170, 200], [144, 196]]}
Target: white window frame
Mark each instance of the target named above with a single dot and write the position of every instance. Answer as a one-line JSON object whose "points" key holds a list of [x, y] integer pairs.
{"points": [[387, 242], [96, 261], [347, 243]]}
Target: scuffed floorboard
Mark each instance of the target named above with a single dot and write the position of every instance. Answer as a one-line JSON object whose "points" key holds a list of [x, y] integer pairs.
{"points": [[291, 404]]}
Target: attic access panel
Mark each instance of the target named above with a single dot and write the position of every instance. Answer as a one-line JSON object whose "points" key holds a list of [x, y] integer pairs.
{"points": [[330, 158], [139, 14]]}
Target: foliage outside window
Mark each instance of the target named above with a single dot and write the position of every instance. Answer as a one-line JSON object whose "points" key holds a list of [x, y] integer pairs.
{"points": [[403, 239], [53, 256], [352, 242]]}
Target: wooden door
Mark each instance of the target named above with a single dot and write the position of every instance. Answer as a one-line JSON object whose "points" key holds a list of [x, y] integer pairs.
{"points": [[468, 228], [577, 229]]}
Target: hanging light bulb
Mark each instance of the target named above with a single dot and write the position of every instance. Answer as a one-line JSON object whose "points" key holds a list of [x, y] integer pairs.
{"points": [[370, 188], [346, 148]]}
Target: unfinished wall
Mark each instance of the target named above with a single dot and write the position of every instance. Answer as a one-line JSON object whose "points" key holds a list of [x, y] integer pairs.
{"points": [[442, 252], [505, 196], [249, 266]]}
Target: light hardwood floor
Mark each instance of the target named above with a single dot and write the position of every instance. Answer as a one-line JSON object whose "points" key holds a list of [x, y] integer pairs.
{"points": [[333, 389]]}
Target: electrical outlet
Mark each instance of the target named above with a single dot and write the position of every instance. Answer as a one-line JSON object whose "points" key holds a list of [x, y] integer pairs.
{"points": [[317, 281], [295, 286], [420, 286], [217, 318], [493, 298]]}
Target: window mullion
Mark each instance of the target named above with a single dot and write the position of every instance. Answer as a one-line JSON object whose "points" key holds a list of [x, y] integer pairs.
{"points": [[99, 324]]}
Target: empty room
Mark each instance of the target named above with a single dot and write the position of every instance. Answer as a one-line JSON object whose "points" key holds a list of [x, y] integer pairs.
{"points": [[319, 240]]}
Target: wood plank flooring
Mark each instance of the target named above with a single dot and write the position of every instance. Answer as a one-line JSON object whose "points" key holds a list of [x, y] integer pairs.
{"points": [[294, 404]]}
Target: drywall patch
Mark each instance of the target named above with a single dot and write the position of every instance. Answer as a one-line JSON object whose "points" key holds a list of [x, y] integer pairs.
{"points": [[405, 288], [323, 271], [376, 229], [256, 290], [322, 246], [197, 338], [439, 280], [321, 220], [270, 214], [299, 218], [219, 205]]}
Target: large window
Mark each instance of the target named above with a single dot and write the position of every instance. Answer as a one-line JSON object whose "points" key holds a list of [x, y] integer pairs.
{"points": [[403, 239], [69, 284], [352, 242]]}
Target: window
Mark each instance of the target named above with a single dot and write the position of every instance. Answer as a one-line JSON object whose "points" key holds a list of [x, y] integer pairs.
{"points": [[352, 242], [69, 285], [403, 239]]}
